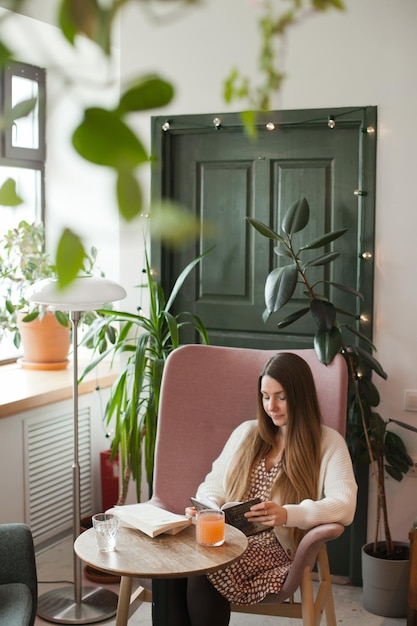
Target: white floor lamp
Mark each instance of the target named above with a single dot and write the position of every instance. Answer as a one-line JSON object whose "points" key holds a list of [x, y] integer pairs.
{"points": [[77, 604]]}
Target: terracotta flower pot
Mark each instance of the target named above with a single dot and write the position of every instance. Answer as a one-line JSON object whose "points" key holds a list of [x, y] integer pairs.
{"points": [[45, 343]]}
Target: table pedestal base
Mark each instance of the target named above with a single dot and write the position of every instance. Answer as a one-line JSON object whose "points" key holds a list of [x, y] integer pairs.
{"points": [[97, 604]]}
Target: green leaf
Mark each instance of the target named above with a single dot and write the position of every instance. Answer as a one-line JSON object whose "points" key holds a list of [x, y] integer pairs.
{"points": [[279, 287], [369, 391], [78, 16], [325, 259], [361, 336], [264, 230], [104, 139], [283, 250], [8, 194], [62, 318], [293, 317], [369, 360], [345, 288], [324, 313], [129, 194], [69, 257], [296, 218], [5, 54], [249, 122], [404, 425], [150, 92], [324, 239], [30, 316], [22, 109], [327, 343], [174, 225], [181, 278]]}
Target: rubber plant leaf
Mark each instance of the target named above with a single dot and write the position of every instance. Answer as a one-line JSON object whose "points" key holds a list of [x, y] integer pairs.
{"points": [[283, 250], [327, 343], [264, 230], [324, 313], [345, 288], [293, 317], [325, 259], [280, 285], [149, 92], [296, 218], [404, 425], [324, 239], [361, 336], [369, 360], [369, 391], [104, 139]]}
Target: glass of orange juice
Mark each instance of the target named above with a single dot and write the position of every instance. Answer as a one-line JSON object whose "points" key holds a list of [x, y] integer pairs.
{"points": [[210, 527]]}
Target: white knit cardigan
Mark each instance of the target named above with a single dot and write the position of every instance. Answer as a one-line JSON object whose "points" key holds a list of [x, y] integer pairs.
{"points": [[337, 486]]}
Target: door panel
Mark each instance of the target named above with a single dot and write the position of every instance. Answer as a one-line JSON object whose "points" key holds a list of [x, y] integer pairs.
{"points": [[223, 177]]}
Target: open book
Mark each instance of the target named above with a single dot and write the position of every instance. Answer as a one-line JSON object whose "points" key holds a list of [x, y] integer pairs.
{"points": [[150, 519], [234, 513]]}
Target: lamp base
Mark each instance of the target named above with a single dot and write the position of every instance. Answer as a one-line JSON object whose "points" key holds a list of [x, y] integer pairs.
{"points": [[97, 604]]}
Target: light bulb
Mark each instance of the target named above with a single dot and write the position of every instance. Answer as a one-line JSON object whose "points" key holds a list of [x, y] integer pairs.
{"points": [[366, 255], [331, 121], [166, 126], [270, 126]]}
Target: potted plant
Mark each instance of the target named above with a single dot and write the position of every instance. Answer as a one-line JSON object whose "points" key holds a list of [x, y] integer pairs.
{"points": [[43, 334], [23, 261], [145, 341], [369, 436]]}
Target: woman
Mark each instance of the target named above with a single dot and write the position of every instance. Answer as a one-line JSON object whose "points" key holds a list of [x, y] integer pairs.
{"points": [[301, 471]]}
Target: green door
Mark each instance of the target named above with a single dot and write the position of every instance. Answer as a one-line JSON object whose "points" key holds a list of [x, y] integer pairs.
{"points": [[208, 164]]}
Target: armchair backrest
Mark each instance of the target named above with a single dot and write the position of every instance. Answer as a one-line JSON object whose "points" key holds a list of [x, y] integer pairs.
{"points": [[206, 392]]}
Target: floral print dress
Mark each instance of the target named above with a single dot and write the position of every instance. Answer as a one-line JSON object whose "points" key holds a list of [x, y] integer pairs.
{"points": [[263, 567]]}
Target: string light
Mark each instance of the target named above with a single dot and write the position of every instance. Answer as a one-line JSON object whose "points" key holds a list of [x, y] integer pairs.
{"points": [[363, 318], [166, 126], [366, 255], [270, 126], [217, 122], [331, 122]]}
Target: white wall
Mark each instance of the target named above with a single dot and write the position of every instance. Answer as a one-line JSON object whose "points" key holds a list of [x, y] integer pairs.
{"points": [[364, 56]]}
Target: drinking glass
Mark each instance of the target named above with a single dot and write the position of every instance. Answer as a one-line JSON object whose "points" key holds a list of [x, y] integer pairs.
{"points": [[106, 526], [210, 527]]}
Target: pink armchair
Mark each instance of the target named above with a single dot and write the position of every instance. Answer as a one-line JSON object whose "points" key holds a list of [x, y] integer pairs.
{"points": [[206, 392]]}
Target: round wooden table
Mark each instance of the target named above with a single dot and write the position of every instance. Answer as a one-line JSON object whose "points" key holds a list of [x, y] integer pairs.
{"points": [[165, 556]]}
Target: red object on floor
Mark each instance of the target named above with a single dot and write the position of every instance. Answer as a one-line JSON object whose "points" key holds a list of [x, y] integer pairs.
{"points": [[109, 480]]}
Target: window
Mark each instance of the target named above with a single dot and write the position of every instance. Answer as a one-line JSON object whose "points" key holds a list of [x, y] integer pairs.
{"points": [[22, 155]]}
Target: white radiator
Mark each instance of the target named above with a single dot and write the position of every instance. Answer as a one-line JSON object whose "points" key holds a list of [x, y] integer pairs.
{"points": [[49, 453]]}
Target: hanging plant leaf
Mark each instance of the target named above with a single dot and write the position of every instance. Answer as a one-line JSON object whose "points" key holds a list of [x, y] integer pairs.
{"points": [[69, 257], [8, 194], [324, 313], [104, 139], [327, 343], [149, 92], [296, 218], [324, 239], [279, 287], [369, 391], [129, 194], [293, 318]]}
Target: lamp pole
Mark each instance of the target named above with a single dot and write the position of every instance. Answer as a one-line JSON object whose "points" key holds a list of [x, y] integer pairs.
{"points": [[76, 604]]}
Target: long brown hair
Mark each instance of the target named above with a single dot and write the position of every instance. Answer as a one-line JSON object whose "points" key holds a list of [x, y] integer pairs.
{"points": [[299, 474]]}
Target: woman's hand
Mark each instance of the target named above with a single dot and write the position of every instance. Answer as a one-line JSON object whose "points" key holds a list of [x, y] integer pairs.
{"points": [[269, 513], [191, 511]]}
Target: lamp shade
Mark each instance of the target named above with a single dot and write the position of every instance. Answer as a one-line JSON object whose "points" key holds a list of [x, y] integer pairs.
{"points": [[85, 293]]}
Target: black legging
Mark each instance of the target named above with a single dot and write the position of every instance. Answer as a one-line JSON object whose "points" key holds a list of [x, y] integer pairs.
{"points": [[188, 602]]}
